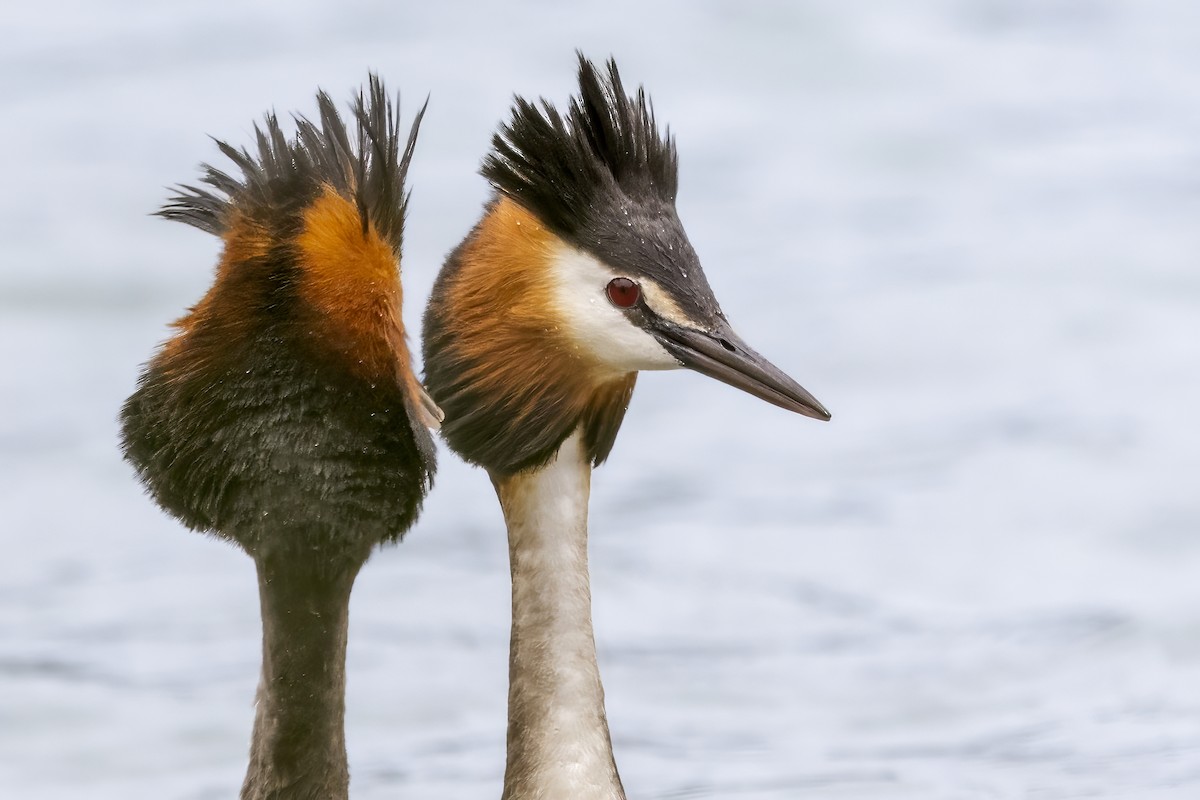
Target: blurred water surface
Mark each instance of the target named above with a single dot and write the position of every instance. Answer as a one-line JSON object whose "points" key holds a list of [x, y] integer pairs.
{"points": [[972, 229]]}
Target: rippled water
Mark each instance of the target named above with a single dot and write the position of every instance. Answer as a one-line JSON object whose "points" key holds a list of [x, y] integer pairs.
{"points": [[972, 229]]}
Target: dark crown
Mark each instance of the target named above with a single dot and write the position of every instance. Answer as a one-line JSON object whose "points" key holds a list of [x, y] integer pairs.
{"points": [[276, 187], [607, 145]]}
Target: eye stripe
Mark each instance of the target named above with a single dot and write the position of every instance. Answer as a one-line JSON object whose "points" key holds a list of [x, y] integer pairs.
{"points": [[659, 300]]}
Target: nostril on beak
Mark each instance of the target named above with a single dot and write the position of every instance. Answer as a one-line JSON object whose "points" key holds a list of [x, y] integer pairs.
{"points": [[725, 343]]}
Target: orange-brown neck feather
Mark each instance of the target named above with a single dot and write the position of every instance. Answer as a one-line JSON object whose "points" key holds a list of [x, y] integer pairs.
{"points": [[351, 282], [351, 279], [511, 381]]}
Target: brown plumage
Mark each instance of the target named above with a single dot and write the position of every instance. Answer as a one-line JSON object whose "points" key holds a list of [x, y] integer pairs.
{"points": [[511, 379]]}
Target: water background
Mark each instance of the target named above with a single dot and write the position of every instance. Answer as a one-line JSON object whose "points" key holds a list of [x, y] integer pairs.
{"points": [[972, 229]]}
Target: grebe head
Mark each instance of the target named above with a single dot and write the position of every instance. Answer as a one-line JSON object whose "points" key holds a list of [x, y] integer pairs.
{"points": [[579, 275], [285, 401]]}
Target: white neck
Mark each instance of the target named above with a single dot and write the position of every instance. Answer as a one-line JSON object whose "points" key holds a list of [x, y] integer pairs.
{"points": [[558, 742]]}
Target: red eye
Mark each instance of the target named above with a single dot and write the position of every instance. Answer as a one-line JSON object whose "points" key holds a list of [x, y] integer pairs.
{"points": [[623, 292]]}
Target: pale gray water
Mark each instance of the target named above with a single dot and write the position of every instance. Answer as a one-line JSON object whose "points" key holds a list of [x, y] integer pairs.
{"points": [[972, 229]]}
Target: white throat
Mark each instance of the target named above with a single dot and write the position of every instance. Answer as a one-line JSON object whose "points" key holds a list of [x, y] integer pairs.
{"points": [[558, 741]]}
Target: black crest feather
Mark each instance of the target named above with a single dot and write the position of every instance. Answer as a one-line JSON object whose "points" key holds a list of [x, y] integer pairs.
{"points": [[278, 183], [564, 168]]}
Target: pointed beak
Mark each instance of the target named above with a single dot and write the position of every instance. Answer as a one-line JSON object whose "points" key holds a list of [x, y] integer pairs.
{"points": [[722, 354]]}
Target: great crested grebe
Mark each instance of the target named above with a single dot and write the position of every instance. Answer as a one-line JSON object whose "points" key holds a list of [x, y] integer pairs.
{"points": [[284, 415], [578, 276]]}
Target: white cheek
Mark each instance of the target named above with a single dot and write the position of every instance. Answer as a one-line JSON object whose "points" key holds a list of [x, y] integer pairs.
{"points": [[597, 325]]}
